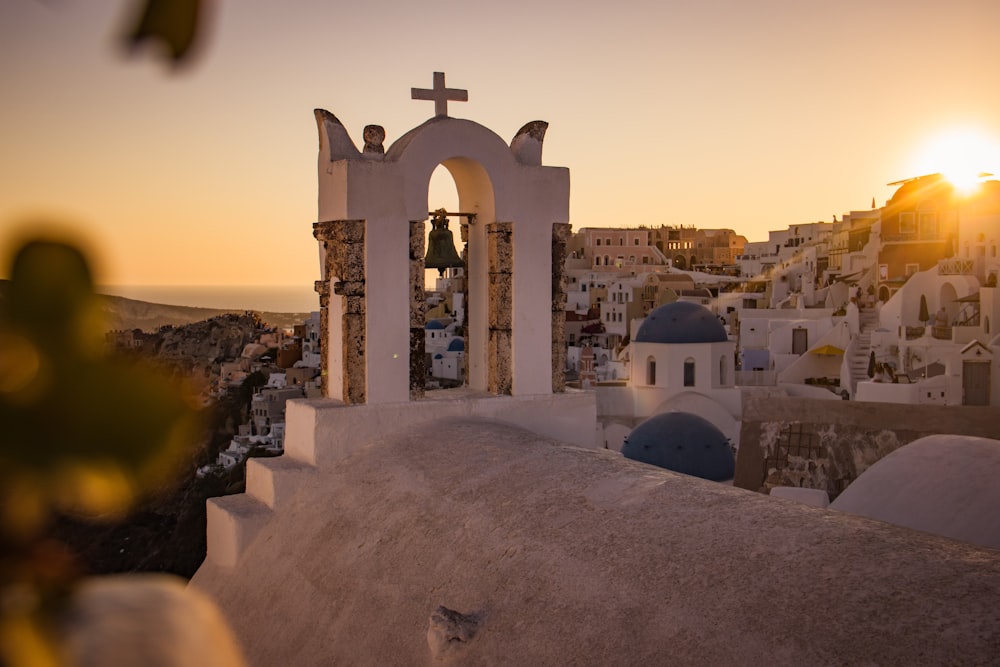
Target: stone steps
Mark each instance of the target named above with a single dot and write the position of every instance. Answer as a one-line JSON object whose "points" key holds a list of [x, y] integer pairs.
{"points": [[862, 349], [233, 522]]}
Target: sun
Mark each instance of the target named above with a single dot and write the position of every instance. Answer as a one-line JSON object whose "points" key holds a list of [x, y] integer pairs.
{"points": [[964, 156]]}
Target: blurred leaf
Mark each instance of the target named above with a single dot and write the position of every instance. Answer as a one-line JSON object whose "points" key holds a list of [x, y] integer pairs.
{"points": [[89, 433], [172, 23]]}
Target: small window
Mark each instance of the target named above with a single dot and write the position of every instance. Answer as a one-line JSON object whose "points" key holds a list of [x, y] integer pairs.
{"points": [[621, 240], [651, 371], [928, 225], [907, 223], [689, 372], [598, 241], [637, 240]]}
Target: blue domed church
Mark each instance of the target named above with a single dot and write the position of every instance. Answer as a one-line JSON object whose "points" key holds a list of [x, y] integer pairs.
{"points": [[681, 360]]}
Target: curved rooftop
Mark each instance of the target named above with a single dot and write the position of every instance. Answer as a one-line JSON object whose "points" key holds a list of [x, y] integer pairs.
{"points": [[681, 322], [684, 443], [941, 484]]}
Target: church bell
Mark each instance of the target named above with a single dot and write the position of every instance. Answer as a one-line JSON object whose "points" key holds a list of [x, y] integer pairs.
{"points": [[441, 253]]}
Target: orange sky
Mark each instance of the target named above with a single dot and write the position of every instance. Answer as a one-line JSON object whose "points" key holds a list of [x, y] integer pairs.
{"points": [[720, 113]]}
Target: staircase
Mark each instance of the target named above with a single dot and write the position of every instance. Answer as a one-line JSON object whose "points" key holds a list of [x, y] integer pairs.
{"points": [[861, 350]]}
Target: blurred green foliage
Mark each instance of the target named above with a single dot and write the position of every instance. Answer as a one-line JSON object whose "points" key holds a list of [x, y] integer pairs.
{"points": [[81, 433]]}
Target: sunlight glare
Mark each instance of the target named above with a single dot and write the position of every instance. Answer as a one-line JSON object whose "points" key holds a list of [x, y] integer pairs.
{"points": [[963, 156]]}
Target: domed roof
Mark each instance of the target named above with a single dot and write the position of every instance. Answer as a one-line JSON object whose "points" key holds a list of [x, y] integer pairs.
{"points": [[684, 443], [941, 484], [456, 345], [434, 325], [681, 322]]}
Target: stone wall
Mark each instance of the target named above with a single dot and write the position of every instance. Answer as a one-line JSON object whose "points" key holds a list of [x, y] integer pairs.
{"points": [[820, 444], [344, 261], [418, 311], [500, 251]]}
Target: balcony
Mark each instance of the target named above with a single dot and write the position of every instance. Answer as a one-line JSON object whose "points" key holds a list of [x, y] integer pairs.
{"points": [[956, 266]]}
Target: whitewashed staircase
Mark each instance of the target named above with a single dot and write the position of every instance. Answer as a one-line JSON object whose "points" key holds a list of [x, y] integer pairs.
{"points": [[234, 521], [862, 348]]}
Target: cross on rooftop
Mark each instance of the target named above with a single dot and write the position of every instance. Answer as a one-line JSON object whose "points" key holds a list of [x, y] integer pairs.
{"points": [[440, 95]]}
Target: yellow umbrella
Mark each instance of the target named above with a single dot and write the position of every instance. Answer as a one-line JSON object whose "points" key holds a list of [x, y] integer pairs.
{"points": [[827, 350]]}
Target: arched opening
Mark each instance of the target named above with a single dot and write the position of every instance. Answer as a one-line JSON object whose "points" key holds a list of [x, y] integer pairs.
{"points": [[722, 370], [651, 371], [680, 262], [474, 188], [884, 293], [444, 293], [947, 299]]}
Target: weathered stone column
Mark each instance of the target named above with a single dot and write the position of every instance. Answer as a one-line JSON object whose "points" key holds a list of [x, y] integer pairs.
{"points": [[500, 251], [344, 262], [322, 287], [418, 312], [560, 237]]}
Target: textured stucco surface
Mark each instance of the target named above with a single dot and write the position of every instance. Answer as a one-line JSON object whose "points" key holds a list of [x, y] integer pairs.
{"points": [[572, 556]]}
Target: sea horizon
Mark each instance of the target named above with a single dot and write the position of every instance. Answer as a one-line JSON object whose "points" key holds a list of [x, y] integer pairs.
{"points": [[263, 298]]}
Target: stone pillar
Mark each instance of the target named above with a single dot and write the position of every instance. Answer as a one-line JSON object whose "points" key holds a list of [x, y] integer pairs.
{"points": [[344, 264], [500, 251], [323, 288], [560, 237], [418, 312]]}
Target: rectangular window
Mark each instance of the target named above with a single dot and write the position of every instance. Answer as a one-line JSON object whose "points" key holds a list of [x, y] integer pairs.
{"points": [[928, 225], [911, 269], [800, 340], [651, 371], [907, 223], [689, 373]]}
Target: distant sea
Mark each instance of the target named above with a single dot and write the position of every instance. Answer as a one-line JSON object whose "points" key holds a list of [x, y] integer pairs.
{"points": [[263, 298]]}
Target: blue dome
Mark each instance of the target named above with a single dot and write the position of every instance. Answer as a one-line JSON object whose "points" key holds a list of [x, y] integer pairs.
{"points": [[456, 345], [434, 325], [681, 322], [684, 443]]}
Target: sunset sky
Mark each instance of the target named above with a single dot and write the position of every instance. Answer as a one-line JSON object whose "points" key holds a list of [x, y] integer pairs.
{"points": [[751, 115]]}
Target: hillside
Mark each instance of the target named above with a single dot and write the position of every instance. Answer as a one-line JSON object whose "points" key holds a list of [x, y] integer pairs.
{"points": [[122, 313]]}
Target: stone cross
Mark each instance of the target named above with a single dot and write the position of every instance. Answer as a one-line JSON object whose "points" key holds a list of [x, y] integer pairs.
{"points": [[440, 95]]}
